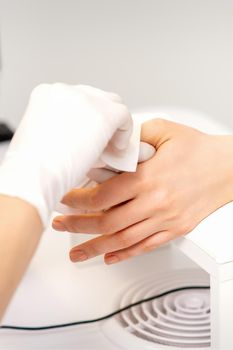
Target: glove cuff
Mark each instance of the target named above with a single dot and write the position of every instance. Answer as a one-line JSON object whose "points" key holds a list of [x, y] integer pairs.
{"points": [[26, 185]]}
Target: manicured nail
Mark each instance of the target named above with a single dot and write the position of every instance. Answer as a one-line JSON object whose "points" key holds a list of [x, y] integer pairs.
{"points": [[111, 259], [58, 225], [67, 199], [63, 201], [77, 255]]}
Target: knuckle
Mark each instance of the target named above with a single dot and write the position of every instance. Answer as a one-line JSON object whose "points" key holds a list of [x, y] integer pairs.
{"points": [[173, 214], [141, 177], [163, 199], [71, 225], [91, 250], [95, 201], [123, 240], [184, 226], [142, 181], [94, 250], [104, 225], [160, 122], [123, 110], [148, 246]]}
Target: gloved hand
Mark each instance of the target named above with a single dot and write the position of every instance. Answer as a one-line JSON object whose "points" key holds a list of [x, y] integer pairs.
{"points": [[62, 134], [100, 174]]}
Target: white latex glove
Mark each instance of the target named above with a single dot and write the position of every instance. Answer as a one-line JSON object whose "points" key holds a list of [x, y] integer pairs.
{"points": [[62, 134], [102, 172]]}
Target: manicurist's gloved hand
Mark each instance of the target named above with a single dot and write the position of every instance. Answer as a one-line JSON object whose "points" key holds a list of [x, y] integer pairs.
{"points": [[101, 174], [62, 134]]}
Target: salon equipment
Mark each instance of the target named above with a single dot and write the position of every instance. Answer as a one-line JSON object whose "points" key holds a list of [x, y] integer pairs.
{"points": [[56, 292]]}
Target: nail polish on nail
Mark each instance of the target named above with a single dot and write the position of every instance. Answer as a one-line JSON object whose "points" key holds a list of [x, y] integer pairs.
{"points": [[111, 259], [58, 225], [78, 255]]}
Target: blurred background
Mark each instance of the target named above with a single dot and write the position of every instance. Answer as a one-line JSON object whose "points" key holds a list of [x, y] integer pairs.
{"points": [[152, 52]]}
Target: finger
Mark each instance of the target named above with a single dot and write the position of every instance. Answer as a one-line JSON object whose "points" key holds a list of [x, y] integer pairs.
{"points": [[86, 223], [117, 190], [148, 244], [146, 151], [120, 240], [101, 175], [106, 222], [157, 131], [121, 138], [65, 210]]}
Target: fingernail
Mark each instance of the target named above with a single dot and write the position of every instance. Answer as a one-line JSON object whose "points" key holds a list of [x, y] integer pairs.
{"points": [[111, 259], [63, 201], [67, 200], [58, 225], [77, 255]]}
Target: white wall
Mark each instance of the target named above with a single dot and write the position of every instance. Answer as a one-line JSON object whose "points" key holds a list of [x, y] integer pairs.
{"points": [[166, 52]]}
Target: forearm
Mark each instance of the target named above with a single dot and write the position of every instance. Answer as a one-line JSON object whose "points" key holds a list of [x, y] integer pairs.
{"points": [[20, 231], [42, 172]]}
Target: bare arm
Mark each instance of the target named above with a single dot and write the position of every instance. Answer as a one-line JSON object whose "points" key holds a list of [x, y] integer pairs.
{"points": [[40, 173], [20, 232]]}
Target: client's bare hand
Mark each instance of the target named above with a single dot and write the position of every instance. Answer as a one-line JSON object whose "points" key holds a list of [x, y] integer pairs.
{"points": [[190, 176]]}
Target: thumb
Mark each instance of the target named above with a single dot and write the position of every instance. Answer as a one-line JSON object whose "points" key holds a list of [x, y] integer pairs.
{"points": [[157, 131]]}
